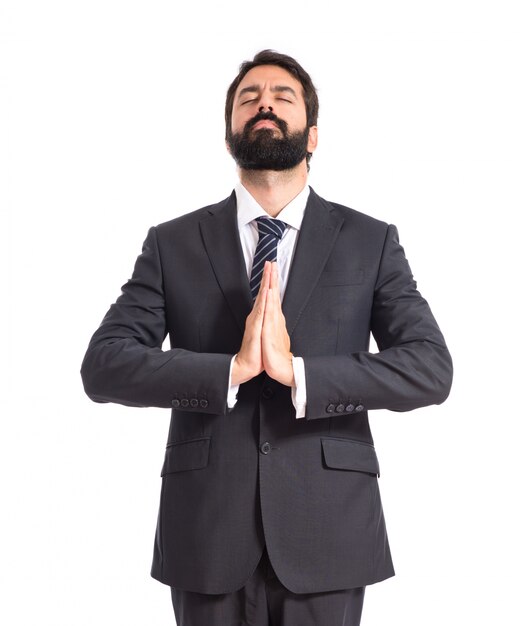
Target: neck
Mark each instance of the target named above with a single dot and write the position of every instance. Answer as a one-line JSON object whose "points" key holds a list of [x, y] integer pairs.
{"points": [[274, 190]]}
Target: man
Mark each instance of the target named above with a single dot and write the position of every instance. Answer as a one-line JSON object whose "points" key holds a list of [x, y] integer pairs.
{"points": [[270, 511]]}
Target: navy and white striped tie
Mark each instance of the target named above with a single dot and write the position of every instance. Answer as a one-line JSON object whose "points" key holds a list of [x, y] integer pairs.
{"points": [[270, 232]]}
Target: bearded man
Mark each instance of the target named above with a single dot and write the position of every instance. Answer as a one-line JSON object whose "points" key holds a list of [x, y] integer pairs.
{"points": [[270, 513]]}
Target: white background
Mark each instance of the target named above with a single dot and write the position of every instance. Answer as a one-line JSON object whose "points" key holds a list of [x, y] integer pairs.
{"points": [[111, 121]]}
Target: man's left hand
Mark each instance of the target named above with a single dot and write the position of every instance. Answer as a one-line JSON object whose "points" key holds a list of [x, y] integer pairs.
{"points": [[276, 353]]}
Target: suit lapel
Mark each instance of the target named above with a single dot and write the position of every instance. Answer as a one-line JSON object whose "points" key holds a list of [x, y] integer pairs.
{"points": [[219, 230], [318, 232]]}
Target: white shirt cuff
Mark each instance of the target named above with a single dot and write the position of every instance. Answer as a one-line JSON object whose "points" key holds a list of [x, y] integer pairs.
{"points": [[233, 389], [298, 391]]}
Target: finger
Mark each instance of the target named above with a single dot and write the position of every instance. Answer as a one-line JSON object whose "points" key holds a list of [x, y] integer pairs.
{"points": [[274, 295], [259, 306], [266, 279], [274, 277], [269, 313], [263, 287], [265, 294], [276, 287]]}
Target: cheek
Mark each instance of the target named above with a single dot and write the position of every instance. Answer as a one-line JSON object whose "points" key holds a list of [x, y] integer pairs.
{"points": [[235, 116], [240, 117], [238, 122], [296, 120]]}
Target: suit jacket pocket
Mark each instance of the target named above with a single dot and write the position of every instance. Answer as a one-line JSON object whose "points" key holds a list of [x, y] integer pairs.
{"points": [[349, 454], [186, 455]]}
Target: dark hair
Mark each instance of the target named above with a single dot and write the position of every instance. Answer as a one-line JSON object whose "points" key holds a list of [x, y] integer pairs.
{"points": [[270, 57]]}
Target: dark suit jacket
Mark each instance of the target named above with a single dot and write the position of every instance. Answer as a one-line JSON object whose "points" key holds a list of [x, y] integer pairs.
{"points": [[234, 480]]}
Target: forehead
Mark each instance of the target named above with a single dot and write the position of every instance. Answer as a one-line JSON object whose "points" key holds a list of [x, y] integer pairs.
{"points": [[270, 75]]}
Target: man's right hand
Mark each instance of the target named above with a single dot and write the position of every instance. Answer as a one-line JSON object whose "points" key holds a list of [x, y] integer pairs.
{"points": [[248, 362]]}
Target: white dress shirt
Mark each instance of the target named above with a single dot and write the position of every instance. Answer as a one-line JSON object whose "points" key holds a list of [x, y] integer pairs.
{"points": [[292, 214]]}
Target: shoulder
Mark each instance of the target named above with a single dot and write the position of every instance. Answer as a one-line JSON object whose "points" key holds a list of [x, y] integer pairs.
{"points": [[352, 218], [192, 218], [185, 229]]}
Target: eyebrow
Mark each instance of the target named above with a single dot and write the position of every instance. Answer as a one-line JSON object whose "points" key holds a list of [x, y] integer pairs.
{"points": [[277, 89]]}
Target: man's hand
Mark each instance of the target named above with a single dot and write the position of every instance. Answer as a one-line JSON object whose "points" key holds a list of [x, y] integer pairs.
{"points": [[265, 343], [248, 362], [276, 353]]}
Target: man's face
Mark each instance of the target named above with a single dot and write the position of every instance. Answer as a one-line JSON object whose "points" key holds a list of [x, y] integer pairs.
{"points": [[269, 123]]}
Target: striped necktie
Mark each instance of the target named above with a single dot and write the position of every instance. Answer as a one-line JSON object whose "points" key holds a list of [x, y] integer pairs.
{"points": [[270, 232]]}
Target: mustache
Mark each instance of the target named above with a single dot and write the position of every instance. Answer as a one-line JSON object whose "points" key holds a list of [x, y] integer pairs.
{"points": [[266, 115]]}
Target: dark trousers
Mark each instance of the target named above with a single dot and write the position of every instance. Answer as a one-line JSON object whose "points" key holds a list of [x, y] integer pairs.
{"points": [[264, 601]]}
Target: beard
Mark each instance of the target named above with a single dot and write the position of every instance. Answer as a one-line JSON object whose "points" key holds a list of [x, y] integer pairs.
{"points": [[261, 150]]}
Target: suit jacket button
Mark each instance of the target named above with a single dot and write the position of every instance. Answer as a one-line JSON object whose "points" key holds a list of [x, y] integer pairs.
{"points": [[359, 408], [265, 447], [350, 408], [330, 408], [339, 408], [203, 403], [194, 402], [267, 393], [176, 403], [184, 402]]}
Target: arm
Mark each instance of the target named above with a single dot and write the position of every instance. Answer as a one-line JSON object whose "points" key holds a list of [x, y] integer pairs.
{"points": [[124, 362], [413, 367]]}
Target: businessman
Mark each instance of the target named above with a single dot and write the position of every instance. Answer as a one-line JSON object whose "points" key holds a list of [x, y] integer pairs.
{"points": [[270, 513]]}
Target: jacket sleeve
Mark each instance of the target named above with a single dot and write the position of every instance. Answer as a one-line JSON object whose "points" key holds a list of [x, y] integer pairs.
{"points": [[124, 362], [413, 367]]}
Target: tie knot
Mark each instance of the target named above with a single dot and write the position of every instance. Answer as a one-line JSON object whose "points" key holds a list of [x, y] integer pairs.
{"points": [[270, 226]]}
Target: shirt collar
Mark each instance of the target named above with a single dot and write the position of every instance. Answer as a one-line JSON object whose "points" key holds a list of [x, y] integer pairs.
{"points": [[248, 209]]}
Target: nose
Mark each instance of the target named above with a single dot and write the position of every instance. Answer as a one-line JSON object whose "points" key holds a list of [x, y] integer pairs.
{"points": [[262, 108]]}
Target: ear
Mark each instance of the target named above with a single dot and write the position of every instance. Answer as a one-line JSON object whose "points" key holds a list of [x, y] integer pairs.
{"points": [[312, 139], [227, 146]]}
